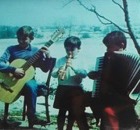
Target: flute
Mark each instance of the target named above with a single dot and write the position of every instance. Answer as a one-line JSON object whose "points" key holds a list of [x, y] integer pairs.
{"points": [[63, 73]]}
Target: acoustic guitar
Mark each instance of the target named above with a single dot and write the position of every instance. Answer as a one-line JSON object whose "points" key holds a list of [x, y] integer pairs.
{"points": [[10, 85]]}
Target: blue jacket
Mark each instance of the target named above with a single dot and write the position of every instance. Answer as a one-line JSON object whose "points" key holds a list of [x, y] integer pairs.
{"points": [[15, 52]]}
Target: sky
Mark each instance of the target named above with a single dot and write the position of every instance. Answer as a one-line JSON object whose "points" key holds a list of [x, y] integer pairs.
{"points": [[49, 12]]}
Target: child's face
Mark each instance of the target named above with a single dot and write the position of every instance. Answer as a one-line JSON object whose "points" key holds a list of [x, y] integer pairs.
{"points": [[24, 41], [113, 48], [72, 51]]}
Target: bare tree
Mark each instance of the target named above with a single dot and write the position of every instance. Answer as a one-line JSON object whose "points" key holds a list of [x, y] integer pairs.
{"points": [[107, 21]]}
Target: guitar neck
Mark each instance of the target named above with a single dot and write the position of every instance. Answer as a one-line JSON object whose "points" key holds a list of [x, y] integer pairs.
{"points": [[35, 57], [49, 43]]}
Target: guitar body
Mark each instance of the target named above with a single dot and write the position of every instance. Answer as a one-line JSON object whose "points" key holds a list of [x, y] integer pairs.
{"points": [[10, 87]]}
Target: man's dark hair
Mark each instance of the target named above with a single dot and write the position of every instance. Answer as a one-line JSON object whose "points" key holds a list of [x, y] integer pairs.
{"points": [[115, 37], [25, 31], [72, 42]]}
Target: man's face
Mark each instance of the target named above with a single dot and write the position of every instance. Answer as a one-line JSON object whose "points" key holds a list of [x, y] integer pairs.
{"points": [[24, 41], [72, 51]]}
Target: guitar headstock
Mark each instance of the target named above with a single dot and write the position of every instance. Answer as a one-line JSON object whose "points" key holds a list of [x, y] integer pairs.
{"points": [[57, 35]]}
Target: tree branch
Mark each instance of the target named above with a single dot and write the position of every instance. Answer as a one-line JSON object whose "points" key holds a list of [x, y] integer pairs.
{"points": [[129, 26], [67, 3], [118, 4], [100, 17]]}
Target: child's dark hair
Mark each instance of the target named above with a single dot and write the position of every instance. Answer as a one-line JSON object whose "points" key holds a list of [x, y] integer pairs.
{"points": [[115, 37], [25, 31], [72, 42]]}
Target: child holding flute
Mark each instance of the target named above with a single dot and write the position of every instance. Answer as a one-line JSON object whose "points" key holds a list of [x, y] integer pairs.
{"points": [[70, 95]]}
